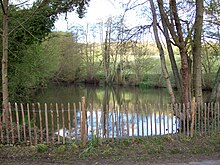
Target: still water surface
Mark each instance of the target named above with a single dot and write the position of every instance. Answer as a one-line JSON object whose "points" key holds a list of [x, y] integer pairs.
{"points": [[103, 101], [102, 95]]}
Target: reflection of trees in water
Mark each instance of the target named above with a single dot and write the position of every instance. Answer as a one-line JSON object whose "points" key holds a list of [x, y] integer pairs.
{"points": [[96, 94], [105, 106], [115, 114], [119, 124], [91, 94]]}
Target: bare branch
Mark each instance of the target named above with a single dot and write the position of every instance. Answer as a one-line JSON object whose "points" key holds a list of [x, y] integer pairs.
{"points": [[3, 9], [132, 7], [135, 31], [27, 30], [169, 25], [164, 34], [22, 3]]}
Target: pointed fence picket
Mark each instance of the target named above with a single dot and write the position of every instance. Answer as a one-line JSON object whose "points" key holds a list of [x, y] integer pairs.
{"points": [[59, 123]]}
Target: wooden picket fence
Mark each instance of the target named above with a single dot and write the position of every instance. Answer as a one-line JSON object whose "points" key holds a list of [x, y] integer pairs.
{"points": [[31, 124]]}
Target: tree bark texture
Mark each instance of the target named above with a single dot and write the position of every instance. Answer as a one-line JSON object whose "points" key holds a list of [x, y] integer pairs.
{"points": [[183, 54], [162, 57], [177, 36], [196, 52], [172, 58], [5, 58]]}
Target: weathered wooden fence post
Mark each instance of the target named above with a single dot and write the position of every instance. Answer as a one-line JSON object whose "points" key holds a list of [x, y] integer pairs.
{"points": [[11, 123], [63, 124], [29, 124], [69, 124], [23, 122], [52, 122], [83, 123], [17, 122], [46, 123], [193, 105]]}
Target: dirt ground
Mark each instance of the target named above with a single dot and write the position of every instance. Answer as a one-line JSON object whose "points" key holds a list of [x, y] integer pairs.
{"points": [[179, 159]]}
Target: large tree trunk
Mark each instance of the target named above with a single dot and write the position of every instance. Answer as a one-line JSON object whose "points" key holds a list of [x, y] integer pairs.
{"points": [[215, 96], [185, 76], [196, 52], [172, 58], [5, 58], [177, 36], [183, 54], [162, 57]]}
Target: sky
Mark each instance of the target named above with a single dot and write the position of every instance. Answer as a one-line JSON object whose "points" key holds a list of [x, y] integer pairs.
{"points": [[97, 10]]}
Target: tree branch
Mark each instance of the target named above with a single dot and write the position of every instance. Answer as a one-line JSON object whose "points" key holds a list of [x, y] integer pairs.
{"points": [[168, 24], [165, 35], [3, 9]]}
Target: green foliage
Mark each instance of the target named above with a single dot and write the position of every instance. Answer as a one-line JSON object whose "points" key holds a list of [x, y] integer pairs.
{"points": [[210, 62], [92, 144], [61, 149], [41, 148], [31, 63], [35, 68], [54, 7], [74, 146], [70, 66]]}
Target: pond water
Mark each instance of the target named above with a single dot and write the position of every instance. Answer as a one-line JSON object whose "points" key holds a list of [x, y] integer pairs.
{"points": [[120, 124], [98, 95], [147, 112]]}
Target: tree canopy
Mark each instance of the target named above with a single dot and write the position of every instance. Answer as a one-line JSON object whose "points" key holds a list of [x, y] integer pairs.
{"points": [[26, 29]]}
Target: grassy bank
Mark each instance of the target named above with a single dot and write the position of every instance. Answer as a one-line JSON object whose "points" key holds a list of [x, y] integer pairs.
{"points": [[151, 149]]}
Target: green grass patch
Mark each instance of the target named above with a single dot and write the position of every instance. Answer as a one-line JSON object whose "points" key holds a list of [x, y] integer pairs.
{"points": [[61, 149], [41, 148], [139, 149]]}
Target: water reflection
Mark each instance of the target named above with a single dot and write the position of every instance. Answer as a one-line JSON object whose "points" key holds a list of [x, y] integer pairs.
{"points": [[120, 124], [105, 95]]}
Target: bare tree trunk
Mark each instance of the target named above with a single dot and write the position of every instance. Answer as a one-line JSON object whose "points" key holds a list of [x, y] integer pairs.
{"points": [[106, 57], [196, 52], [172, 59], [107, 51], [5, 58], [177, 36], [87, 54], [162, 57], [183, 54], [215, 96]]}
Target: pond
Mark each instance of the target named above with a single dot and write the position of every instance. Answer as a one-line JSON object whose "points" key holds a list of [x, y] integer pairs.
{"points": [[121, 124], [146, 112], [98, 95]]}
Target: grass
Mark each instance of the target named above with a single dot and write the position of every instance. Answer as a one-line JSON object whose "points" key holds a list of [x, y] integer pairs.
{"points": [[41, 148], [141, 149]]}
